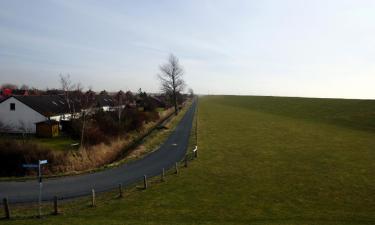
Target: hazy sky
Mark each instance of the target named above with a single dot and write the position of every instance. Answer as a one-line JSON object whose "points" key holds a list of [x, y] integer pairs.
{"points": [[319, 48]]}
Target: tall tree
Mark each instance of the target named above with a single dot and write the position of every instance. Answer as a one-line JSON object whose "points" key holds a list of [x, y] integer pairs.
{"points": [[171, 78], [87, 101], [191, 92], [67, 87], [119, 99]]}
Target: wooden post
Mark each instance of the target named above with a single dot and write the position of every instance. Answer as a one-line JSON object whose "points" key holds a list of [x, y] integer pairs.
{"points": [[120, 190], [144, 182], [176, 167], [55, 206], [162, 175], [93, 198], [6, 208], [186, 161]]}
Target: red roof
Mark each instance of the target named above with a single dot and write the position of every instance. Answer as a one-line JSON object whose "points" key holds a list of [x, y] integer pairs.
{"points": [[7, 91]]}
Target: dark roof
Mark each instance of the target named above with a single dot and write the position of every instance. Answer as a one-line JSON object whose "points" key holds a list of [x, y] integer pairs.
{"points": [[47, 105], [104, 100]]}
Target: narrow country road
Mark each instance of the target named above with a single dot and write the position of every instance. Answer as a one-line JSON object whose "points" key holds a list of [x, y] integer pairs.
{"points": [[170, 152]]}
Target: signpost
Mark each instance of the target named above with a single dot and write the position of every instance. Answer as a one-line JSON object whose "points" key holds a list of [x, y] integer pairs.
{"points": [[40, 163], [30, 165]]}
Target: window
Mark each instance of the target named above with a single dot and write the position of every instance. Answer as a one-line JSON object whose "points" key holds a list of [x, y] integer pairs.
{"points": [[12, 107]]}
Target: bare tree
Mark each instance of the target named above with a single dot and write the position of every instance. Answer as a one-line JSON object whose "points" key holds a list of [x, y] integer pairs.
{"points": [[120, 97], [67, 87], [171, 78], [191, 92], [10, 86], [87, 102], [24, 87], [77, 99]]}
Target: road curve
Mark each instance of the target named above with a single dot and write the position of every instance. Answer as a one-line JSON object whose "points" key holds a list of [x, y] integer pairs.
{"points": [[171, 151]]}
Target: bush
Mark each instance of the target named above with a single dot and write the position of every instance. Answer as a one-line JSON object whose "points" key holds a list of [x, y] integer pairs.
{"points": [[102, 126], [14, 153], [93, 135], [152, 116], [133, 119], [107, 122]]}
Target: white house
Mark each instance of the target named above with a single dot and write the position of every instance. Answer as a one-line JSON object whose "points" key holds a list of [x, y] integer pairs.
{"points": [[20, 113]]}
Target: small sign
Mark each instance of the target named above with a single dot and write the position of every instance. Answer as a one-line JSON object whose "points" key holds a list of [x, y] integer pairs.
{"points": [[41, 162], [30, 166]]}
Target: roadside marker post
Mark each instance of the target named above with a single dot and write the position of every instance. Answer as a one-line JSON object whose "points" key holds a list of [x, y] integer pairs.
{"points": [[55, 206], [145, 182], [195, 150], [6, 208], [162, 175], [93, 203], [186, 161], [120, 191], [176, 168]]}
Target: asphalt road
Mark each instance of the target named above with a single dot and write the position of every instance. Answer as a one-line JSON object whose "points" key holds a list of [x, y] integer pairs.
{"points": [[171, 151]]}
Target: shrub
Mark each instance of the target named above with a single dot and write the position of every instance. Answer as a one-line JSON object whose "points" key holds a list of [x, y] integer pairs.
{"points": [[151, 116], [14, 153], [94, 135]]}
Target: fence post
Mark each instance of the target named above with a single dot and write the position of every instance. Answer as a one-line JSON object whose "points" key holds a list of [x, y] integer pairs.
{"points": [[196, 152], [186, 161], [162, 175], [93, 198], [120, 190], [176, 167], [6, 208], [144, 182], [55, 206]]}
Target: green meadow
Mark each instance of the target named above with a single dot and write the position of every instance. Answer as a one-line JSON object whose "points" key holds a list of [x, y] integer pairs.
{"points": [[262, 160]]}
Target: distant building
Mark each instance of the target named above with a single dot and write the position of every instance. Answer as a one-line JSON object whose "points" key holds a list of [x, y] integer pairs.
{"points": [[21, 113], [104, 102], [158, 101]]}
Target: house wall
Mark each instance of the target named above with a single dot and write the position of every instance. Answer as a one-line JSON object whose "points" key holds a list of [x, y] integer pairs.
{"points": [[22, 118], [106, 108]]}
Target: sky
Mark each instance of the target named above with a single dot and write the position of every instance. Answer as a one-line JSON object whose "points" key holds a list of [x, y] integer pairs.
{"points": [[301, 48]]}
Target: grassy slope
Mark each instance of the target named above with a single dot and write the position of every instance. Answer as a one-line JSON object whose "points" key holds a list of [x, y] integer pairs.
{"points": [[262, 161]]}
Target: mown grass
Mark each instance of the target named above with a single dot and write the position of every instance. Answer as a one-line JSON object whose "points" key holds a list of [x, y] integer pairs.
{"points": [[60, 143], [262, 160]]}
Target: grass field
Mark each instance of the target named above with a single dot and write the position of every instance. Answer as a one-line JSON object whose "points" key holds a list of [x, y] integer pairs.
{"points": [[262, 160], [61, 143]]}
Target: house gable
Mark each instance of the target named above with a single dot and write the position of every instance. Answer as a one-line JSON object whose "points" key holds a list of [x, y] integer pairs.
{"points": [[19, 117]]}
